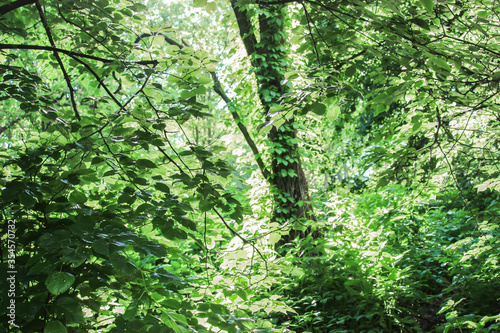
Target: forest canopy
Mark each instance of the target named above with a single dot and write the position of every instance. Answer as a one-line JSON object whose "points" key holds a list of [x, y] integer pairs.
{"points": [[250, 166]]}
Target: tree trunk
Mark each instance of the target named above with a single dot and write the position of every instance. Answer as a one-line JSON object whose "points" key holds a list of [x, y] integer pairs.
{"points": [[288, 182]]}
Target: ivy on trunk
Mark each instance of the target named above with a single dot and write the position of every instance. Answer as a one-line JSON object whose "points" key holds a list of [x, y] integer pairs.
{"points": [[269, 59]]}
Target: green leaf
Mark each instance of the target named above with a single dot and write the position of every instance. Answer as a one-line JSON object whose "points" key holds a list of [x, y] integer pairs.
{"points": [[187, 94], [71, 309], [97, 160], [278, 122], [292, 75], [274, 238], [77, 197], [101, 246], [144, 207], [350, 71], [158, 40], [27, 200], [382, 182], [199, 3], [428, 4], [186, 222], [204, 80], [379, 109], [162, 187], [55, 326], [140, 181], [441, 62], [143, 163], [131, 311], [205, 205], [318, 108], [421, 23], [211, 7], [333, 112], [59, 282]]}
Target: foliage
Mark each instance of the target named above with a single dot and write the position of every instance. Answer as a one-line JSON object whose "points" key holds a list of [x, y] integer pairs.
{"points": [[347, 181], [392, 266], [98, 186]]}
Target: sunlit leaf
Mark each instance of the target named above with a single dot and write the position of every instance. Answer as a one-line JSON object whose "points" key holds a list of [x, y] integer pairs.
{"points": [[199, 3], [428, 4], [211, 7]]}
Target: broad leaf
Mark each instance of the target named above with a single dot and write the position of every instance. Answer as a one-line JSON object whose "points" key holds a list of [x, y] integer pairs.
{"points": [[59, 282]]}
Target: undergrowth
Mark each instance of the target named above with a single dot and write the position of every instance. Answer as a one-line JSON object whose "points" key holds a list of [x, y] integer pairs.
{"points": [[426, 267]]}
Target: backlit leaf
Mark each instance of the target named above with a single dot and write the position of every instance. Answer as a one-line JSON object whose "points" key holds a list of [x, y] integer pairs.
{"points": [[211, 7], [199, 3]]}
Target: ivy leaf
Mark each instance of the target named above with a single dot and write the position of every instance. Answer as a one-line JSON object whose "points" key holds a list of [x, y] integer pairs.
{"points": [[59, 282]]}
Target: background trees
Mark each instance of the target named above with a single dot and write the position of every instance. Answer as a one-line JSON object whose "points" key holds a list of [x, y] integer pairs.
{"points": [[150, 172]]}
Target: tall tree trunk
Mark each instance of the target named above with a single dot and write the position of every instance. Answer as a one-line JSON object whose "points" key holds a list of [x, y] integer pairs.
{"points": [[268, 57]]}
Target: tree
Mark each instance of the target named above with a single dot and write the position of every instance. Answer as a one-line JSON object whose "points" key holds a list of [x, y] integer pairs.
{"points": [[120, 216], [96, 176], [269, 59]]}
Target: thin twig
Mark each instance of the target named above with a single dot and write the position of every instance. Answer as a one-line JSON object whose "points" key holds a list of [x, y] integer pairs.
{"points": [[245, 241], [58, 58], [241, 126], [311, 33]]}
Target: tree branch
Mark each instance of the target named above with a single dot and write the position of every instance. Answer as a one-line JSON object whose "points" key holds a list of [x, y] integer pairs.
{"points": [[311, 33], [246, 33], [14, 5], [58, 58], [101, 82], [167, 39], [70, 53], [11, 124], [241, 126], [237, 119], [217, 87]]}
